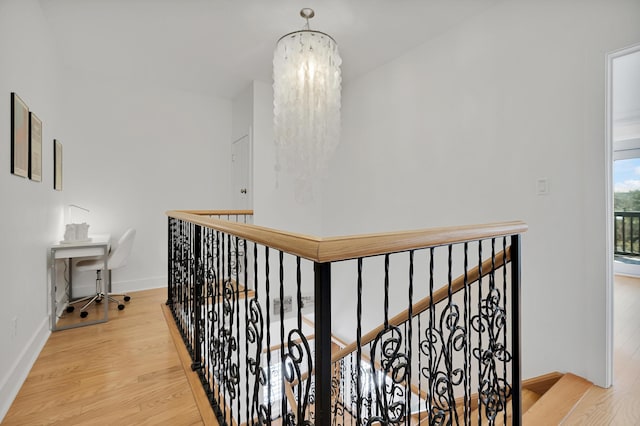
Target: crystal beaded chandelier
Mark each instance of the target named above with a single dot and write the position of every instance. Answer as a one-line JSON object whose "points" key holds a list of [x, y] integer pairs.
{"points": [[306, 85]]}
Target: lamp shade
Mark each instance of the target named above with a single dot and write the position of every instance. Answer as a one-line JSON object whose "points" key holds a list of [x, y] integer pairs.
{"points": [[306, 83]]}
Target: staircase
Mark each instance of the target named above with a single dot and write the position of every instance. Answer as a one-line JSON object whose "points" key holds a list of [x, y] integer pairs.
{"points": [[546, 400], [554, 405]]}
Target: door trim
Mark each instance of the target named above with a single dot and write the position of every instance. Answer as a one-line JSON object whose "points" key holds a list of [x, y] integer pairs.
{"points": [[249, 136], [608, 156]]}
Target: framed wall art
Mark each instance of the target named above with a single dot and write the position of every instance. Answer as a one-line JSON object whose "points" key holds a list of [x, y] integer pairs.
{"points": [[19, 136], [35, 148], [57, 165]]}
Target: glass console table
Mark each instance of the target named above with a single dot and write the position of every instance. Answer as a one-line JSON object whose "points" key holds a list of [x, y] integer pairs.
{"points": [[62, 317]]}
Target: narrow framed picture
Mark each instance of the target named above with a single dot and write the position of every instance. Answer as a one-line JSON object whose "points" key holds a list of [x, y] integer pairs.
{"points": [[19, 136], [57, 165], [35, 148]]}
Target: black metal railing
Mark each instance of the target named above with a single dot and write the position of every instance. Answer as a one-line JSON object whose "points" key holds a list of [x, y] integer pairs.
{"points": [[627, 233], [433, 323]]}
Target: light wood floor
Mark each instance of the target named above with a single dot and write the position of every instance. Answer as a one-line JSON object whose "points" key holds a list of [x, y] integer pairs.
{"points": [[123, 372], [127, 371], [620, 404]]}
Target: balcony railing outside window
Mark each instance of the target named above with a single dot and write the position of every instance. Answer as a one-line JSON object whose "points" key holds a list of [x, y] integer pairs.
{"points": [[627, 233]]}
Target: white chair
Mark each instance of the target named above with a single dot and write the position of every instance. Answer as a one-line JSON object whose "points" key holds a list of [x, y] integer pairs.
{"points": [[117, 259]]}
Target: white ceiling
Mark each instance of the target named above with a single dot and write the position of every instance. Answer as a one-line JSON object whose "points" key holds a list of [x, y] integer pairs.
{"points": [[626, 87], [626, 97], [218, 46]]}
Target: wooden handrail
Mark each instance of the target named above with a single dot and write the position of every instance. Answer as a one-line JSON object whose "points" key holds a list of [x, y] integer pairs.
{"points": [[334, 249], [301, 245], [222, 212], [422, 305]]}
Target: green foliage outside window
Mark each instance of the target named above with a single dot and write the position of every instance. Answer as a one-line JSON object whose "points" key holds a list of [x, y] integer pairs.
{"points": [[626, 201]]}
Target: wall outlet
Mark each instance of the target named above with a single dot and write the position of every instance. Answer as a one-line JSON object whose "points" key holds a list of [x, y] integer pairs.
{"points": [[288, 305], [307, 301]]}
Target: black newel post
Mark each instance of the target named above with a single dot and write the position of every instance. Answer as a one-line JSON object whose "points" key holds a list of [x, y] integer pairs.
{"points": [[322, 305], [198, 288], [170, 260], [516, 388]]}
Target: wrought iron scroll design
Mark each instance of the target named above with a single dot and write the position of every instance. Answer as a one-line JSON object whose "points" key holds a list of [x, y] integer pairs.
{"points": [[255, 330], [490, 322], [211, 248], [237, 255], [182, 276], [298, 354], [389, 365], [228, 342], [407, 373], [337, 392], [441, 343], [361, 397]]}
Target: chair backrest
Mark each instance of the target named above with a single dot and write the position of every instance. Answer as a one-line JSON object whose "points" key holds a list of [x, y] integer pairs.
{"points": [[120, 254]]}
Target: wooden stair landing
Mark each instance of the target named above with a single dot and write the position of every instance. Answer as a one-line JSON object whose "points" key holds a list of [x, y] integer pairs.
{"points": [[558, 402], [546, 400], [529, 398]]}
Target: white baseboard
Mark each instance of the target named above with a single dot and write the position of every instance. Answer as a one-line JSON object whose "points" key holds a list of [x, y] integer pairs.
{"points": [[629, 270], [138, 285], [11, 384], [122, 286], [20, 370]]}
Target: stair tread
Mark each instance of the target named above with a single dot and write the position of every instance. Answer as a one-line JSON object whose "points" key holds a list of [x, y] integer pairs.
{"points": [[557, 402], [541, 384], [529, 398]]}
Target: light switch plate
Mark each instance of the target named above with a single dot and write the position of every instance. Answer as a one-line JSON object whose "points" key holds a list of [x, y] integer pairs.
{"points": [[542, 186]]}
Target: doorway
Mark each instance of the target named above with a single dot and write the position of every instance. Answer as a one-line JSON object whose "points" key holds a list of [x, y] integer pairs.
{"points": [[625, 135], [241, 172], [623, 177]]}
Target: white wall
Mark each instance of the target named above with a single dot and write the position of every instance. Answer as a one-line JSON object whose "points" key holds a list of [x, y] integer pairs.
{"points": [[458, 130], [31, 211], [131, 153], [503, 99], [242, 113]]}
